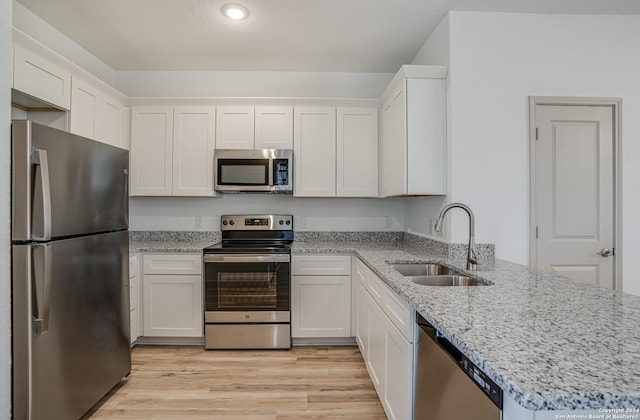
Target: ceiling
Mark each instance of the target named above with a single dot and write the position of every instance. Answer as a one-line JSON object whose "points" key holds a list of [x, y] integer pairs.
{"points": [[278, 35]]}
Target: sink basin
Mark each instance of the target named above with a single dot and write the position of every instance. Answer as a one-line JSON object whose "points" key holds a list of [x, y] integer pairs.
{"points": [[445, 280], [422, 269]]}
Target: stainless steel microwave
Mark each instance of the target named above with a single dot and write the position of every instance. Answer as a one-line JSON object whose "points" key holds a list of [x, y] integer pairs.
{"points": [[262, 170]]}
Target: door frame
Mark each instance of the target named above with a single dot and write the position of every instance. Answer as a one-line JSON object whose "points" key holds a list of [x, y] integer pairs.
{"points": [[616, 104]]}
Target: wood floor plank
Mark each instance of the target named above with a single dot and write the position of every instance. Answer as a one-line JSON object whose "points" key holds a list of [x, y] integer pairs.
{"points": [[172, 382]]}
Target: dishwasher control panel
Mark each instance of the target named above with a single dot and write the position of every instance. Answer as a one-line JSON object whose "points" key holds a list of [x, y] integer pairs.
{"points": [[485, 383]]}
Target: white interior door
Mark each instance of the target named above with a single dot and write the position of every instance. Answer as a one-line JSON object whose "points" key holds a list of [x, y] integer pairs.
{"points": [[573, 196]]}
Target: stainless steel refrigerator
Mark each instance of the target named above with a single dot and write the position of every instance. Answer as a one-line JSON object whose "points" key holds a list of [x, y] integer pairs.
{"points": [[70, 271]]}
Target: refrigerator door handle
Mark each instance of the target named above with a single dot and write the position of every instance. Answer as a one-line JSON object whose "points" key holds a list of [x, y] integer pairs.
{"points": [[42, 222], [41, 287]]}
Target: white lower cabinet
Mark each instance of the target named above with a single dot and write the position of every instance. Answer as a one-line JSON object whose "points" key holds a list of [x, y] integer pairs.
{"points": [[321, 296], [362, 317], [134, 298], [398, 377], [320, 306], [172, 295], [386, 342]]}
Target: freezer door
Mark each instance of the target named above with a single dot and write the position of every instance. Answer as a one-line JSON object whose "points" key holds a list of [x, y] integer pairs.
{"points": [[71, 324], [65, 185]]}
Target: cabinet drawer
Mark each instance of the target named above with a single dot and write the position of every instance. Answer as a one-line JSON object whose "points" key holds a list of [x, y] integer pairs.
{"points": [[172, 264], [321, 265], [398, 311], [361, 272]]}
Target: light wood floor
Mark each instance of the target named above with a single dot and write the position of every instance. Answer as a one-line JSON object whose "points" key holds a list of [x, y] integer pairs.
{"points": [[192, 383]]}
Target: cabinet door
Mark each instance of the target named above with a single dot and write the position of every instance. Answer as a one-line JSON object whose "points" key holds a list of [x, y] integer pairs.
{"points": [[394, 143], [172, 305], [320, 306], [426, 136], [84, 109], [314, 144], [376, 349], [111, 122], [134, 298], [357, 152], [398, 380], [234, 127], [151, 150], [362, 318], [193, 145], [274, 127], [40, 76]]}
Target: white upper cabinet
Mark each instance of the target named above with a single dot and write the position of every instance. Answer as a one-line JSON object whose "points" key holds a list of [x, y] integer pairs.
{"points": [[234, 127], [193, 145], [151, 160], [273, 127], [172, 151], [84, 100], [336, 152], [111, 116], [96, 114], [357, 152], [248, 127], [40, 73], [413, 141], [314, 144]]}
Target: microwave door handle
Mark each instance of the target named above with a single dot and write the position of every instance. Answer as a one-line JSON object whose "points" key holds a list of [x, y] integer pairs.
{"points": [[42, 215], [270, 181]]}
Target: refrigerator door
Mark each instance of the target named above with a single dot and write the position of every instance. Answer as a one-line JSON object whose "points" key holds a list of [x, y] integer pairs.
{"points": [[71, 324], [65, 185]]}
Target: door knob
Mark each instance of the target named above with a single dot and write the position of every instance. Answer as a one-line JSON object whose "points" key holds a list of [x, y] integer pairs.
{"points": [[605, 252]]}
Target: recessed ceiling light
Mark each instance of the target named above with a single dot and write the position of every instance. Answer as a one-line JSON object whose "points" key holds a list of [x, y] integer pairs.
{"points": [[235, 11]]}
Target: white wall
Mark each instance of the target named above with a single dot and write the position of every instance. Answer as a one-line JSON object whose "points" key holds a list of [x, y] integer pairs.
{"points": [[252, 84], [310, 214], [5, 208], [497, 60], [29, 23], [420, 213]]}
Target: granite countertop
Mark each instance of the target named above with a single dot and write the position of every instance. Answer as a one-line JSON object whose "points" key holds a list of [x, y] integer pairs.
{"points": [[137, 246], [551, 343], [168, 241]]}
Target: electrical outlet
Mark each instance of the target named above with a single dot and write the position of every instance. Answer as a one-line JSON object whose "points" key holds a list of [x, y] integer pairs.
{"points": [[198, 222]]}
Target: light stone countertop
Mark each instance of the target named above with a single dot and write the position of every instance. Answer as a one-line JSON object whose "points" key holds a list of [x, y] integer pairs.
{"points": [[549, 342], [143, 246]]}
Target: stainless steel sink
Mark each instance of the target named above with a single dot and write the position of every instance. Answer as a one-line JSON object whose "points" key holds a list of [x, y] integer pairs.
{"points": [[447, 280], [432, 274], [422, 269]]}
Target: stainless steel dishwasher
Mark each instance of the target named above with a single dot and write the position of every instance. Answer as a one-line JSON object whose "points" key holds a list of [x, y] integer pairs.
{"points": [[447, 385]]}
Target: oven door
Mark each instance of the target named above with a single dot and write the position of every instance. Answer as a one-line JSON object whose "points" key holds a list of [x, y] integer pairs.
{"points": [[247, 283]]}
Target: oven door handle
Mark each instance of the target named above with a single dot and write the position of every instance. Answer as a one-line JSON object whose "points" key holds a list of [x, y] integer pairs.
{"points": [[252, 258]]}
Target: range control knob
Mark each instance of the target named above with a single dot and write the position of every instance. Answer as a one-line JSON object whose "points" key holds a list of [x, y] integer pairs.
{"points": [[224, 222], [281, 222], [288, 222], [231, 222]]}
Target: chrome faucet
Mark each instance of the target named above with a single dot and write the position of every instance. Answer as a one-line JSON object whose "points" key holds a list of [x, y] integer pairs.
{"points": [[472, 259]]}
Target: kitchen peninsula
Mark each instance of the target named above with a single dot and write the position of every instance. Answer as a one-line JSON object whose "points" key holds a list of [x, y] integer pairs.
{"points": [[552, 344]]}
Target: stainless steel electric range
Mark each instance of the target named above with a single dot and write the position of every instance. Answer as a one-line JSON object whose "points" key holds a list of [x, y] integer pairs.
{"points": [[247, 283]]}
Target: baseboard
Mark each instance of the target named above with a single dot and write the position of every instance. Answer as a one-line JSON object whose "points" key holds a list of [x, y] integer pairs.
{"points": [[322, 341], [170, 341]]}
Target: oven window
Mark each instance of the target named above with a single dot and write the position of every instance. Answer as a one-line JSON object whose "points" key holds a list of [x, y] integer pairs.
{"points": [[261, 286], [243, 172], [247, 291]]}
